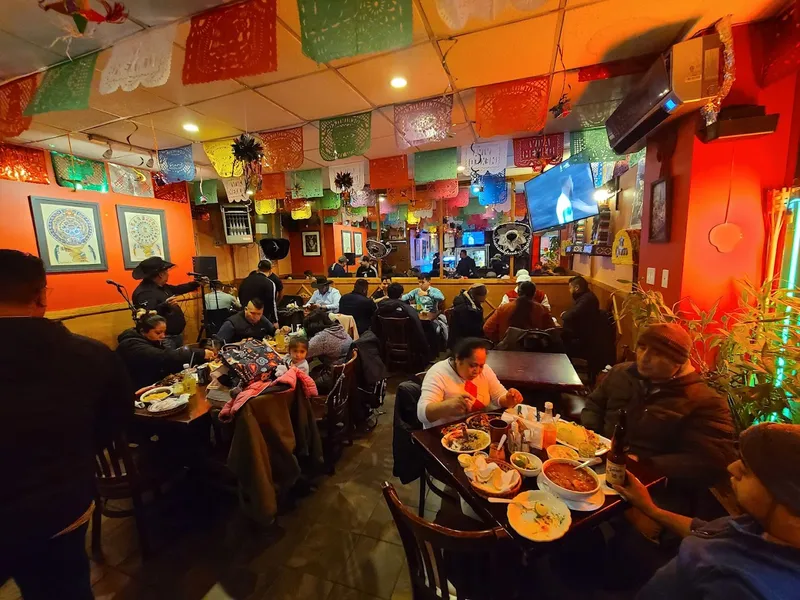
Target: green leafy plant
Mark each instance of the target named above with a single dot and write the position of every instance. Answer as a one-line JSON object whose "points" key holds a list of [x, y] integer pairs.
{"points": [[750, 354]]}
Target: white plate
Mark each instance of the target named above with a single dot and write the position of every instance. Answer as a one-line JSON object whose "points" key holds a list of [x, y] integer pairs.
{"points": [[486, 442], [526, 523], [599, 452], [593, 503], [157, 390], [168, 404]]}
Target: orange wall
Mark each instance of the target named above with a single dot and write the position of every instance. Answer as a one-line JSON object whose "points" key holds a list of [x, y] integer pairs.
{"points": [[332, 244], [336, 239], [75, 290]]}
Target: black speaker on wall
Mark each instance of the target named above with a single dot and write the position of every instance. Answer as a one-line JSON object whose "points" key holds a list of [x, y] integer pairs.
{"points": [[205, 265]]}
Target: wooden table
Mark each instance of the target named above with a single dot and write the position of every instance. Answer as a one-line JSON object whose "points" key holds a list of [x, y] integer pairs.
{"points": [[534, 370], [199, 407], [443, 463]]}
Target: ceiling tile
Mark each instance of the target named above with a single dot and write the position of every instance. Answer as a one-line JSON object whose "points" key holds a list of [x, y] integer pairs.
{"points": [[247, 111], [176, 92], [291, 62], [586, 92], [288, 13], [382, 147], [419, 65], [381, 126], [140, 135], [311, 136], [506, 15], [74, 120], [18, 57], [502, 53], [172, 121], [37, 132], [159, 12], [316, 96]]}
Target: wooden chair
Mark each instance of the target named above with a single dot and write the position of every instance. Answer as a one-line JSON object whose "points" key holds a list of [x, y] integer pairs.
{"points": [[446, 562], [333, 412], [395, 342], [118, 477]]}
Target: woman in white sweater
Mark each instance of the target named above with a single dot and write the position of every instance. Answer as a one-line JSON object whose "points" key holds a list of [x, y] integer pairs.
{"points": [[454, 387]]}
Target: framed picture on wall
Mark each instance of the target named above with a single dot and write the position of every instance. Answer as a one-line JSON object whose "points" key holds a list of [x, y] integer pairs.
{"points": [[347, 242], [143, 232], [69, 235], [358, 243], [659, 211], [311, 245]]}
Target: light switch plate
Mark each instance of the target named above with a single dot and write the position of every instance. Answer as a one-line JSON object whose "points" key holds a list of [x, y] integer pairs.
{"points": [[651, 276], [664, 278]]}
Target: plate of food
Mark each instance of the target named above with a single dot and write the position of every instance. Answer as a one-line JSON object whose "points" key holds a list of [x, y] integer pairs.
{"points": [[585, 441], [168, 406], [492, 477], [464, 440], [481, 420], [540, 516], [156, 394]]}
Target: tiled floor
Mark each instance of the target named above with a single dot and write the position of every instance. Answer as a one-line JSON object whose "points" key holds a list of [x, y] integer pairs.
{"points": [[338, 543]]}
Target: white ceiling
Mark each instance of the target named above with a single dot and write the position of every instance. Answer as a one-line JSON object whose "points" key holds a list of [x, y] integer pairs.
{"points": [[513, 45]]}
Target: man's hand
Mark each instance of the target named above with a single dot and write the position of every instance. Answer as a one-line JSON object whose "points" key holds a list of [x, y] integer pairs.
{"points": [[513, 397], [636, 493], [173, 300]]}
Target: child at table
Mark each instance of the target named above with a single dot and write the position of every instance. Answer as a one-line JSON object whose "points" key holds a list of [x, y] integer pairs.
{"points": [[298, 348]]}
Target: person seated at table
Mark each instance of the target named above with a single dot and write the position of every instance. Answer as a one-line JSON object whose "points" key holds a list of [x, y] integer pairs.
{"points": [[540, 270], [512, 294], [142, 351], [357, 305], [466, 320], [424, 298], [329, 343], [339, 268], [755, 555], [298, 350], [309, 275], [581, 322], [462, 384], [498, 265], [249, 323], [523, 313], [325, 296], [219, 299], [380, 293], [394, 307], [366, 269], [466, 267], [676, 421]]}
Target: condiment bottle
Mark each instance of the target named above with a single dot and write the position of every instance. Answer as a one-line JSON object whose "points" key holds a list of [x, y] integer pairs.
{"points": [[548, 426], [616, 457]]}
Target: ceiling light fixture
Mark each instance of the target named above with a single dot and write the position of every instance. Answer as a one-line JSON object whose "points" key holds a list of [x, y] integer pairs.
{"points": [[460, 168], [191, 127], [108, 153], [150, 162], [381, 198], [398, 82]]}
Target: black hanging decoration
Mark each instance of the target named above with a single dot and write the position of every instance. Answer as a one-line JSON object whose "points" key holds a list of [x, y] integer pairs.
{"points": [[248, 152]]}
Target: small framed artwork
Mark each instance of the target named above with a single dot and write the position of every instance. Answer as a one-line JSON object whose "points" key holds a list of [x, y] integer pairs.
{"points": [[358, 243], [347, 242], [69, 235], [143, 232], [311, 245], [659, 211]]}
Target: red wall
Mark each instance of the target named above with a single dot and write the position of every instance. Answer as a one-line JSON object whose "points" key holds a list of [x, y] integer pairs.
{"points": [[332, 244], [74, 290]]}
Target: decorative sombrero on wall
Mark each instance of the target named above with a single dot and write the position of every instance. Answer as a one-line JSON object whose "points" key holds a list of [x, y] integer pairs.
{"points": [[275, 248], [512, 239], [378, 250]]}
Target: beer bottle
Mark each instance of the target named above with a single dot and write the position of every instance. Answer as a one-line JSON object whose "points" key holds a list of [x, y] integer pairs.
{"points": [[616, 457]]}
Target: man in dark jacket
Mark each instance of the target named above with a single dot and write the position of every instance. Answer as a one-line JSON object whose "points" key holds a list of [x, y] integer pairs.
{"points": [[466, 266], [466, 320], [339, 268], [675, 420], [366, 269], [259, 285], [155, 294], [394, 307], [581, 322], [274, 279], [249, 323], [357, 305], [63, 397]]}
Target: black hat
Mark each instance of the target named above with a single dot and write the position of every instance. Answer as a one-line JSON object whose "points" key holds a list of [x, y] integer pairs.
{"points": [[151, 266], [321, 281], [275, 248]]}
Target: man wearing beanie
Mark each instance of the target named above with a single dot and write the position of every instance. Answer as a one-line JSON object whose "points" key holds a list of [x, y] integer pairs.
{"points": [[675, 420], [755, 556]]}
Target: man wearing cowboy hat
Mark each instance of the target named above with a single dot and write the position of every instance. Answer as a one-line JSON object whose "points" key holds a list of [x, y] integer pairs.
{"points": [[324, 296], [155, 294]]}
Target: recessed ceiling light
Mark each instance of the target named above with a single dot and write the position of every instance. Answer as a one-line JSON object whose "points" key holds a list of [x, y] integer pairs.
{"points": [[191, 127], [460, 168], [399, 82], [250, 192], [381, 198]]}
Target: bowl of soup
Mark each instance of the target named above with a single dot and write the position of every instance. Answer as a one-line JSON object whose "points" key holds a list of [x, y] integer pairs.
{"points": [[569, 482]]}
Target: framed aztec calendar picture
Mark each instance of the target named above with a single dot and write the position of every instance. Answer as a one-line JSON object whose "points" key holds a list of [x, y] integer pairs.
{"points": [[144, 234], [69, 235]]}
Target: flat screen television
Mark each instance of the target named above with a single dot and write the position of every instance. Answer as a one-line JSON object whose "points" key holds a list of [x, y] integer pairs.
{"points": [[473, 238], [561, 195]]}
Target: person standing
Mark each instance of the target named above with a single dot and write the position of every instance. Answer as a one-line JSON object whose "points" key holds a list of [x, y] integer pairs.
{"points": [[154, 293], [339, 268], [357, 305], [466, 266], [325, 296], [259, 285], [366, 269], [274, 279], [63, 397]]}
